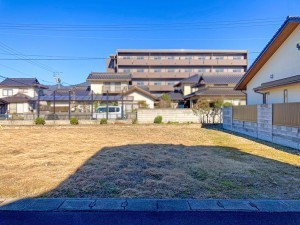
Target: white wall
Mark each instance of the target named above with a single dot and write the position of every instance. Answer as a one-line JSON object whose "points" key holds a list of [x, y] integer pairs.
{"points": [[97, 88], [31, 92], [140, 97], [284, 63]]}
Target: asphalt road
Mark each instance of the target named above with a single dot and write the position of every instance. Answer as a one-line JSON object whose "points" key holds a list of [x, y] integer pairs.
{"points": [[147, 218]]}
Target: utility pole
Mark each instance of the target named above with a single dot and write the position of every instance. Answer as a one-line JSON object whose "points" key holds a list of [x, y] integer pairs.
{"points": [[92, 102], [38, 105]]}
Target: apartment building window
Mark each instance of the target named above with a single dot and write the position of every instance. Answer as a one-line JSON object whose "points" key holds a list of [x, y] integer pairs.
{"points": [[188, 57], [237, 57], [140, 57], [157, 58], [157, 70], [219, 57], [157, 83], [126, 57], [219, 70], [140, 70], [188, 70], [7, 92], [171, 83], [171, 70], [202, 57], [201, 70], [237, 70], [171, 57], [285, 96], [126, 70], [140, 83]]}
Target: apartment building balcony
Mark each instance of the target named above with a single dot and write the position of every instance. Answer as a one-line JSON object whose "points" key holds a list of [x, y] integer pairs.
{"points": [[114, 89], [182, 62], [179, 75], [166, 88]]}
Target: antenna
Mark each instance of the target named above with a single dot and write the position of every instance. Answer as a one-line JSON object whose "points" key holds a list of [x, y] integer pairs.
{"points": [[56, 76]]}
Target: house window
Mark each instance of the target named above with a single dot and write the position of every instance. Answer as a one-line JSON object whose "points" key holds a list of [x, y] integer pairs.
{"points": [[23, 90], [7, 92], [140, 70], [285, 96]]}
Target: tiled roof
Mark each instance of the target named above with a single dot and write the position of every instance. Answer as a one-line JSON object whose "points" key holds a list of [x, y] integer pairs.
{"points": [[18, 98], [21, 82], [277, 83], [190, 80], [218, 79], [216, 92], [140, 90], [176, 95], [109, 76]]}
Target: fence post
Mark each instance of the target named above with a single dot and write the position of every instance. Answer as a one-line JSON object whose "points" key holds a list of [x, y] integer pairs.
{"points": [[54, 105], [38, 105], [122, 110], [69, 104]]}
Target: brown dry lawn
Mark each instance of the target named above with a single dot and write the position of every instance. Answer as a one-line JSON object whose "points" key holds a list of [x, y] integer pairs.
{"points": [[161, 161]]}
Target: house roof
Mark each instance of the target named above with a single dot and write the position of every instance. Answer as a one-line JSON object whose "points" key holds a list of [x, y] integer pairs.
{"points": [[289, 25], [140, 90], [21, 82], [176, 95], [18, 98], [278, 83], [216, 92], [109, 76], [190, 80]]}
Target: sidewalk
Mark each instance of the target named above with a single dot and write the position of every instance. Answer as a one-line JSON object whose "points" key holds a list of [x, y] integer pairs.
{"points": [[148, 211]]}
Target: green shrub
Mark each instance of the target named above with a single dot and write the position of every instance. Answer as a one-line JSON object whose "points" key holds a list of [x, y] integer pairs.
{"points": [[103, 121], [39, 121], [172, 122], [158, 119], [134, 121], [74, 121], [227, 104]]}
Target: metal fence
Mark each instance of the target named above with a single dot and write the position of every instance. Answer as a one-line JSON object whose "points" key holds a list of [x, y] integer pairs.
{"points": [[286, 114], [245, 113]]}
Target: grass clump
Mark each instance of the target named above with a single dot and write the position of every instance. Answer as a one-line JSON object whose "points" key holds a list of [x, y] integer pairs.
{"points": [[103, 121], [74, 121], [158, 119], [39, 121], [134, 121]]}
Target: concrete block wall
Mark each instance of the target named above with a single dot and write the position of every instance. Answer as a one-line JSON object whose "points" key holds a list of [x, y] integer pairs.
{"points": [[263, 129], [172, 115]]}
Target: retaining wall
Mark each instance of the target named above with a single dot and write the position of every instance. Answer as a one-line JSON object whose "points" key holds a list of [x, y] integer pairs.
{"points": [[263, 129], [172, 115]]}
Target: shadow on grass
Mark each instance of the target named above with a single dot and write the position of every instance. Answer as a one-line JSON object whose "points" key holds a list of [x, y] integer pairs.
{"points": [[178, 171]]}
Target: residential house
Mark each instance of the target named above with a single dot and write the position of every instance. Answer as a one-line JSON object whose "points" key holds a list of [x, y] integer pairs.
{"points": [[274, 77], [17, 95]]}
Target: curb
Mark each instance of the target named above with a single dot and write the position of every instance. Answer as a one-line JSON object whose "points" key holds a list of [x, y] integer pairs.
{"points": [[154, 205]]}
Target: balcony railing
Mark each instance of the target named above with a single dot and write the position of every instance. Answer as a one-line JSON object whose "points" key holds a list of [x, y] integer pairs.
{"points": [[114, 89]]}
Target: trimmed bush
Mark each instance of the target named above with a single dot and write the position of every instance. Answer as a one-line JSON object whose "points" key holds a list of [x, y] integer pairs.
{"points": [[103, 121], [134, 121], [158, 119], [227, 104], [39, 121], [74, 121]]}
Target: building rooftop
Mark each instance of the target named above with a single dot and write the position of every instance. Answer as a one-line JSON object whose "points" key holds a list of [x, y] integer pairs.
{"points": [[216, 92], [109, 76], [181, 51], [21, 82], [280, 82]]}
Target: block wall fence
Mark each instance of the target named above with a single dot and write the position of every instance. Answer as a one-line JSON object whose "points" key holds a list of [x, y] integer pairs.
{"points": [[263, 128]]}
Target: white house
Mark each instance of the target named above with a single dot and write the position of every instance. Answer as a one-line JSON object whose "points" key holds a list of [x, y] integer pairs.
{"points": [[140, 98], [274, 77], [18, 95]]}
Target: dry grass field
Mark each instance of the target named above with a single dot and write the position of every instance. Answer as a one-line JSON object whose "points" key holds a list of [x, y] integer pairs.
{"points": [[161, 161]]}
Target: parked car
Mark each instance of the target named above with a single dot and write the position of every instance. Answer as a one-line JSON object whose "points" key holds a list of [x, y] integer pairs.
{"points": [[114, 112]]}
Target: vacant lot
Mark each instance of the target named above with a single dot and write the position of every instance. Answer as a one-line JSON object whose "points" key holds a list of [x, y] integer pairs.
{"points": [[163, 161]]}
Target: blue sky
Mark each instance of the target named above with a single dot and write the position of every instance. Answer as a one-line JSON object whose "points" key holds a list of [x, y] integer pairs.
{"points": [[189, 24]]}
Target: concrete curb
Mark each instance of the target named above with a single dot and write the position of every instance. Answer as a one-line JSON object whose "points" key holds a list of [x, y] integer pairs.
{"points": [[147, 205]]}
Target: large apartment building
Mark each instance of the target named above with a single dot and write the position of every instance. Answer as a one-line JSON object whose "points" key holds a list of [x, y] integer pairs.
{"points": [[161, 69]]}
